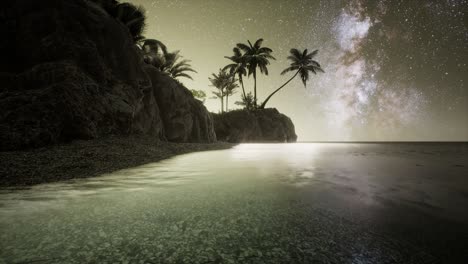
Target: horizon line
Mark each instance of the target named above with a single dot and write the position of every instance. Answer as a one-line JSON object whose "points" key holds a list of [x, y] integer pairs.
{"points": [[387, 141]]}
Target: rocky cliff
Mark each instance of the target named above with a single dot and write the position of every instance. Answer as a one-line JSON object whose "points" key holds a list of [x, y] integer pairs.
{"points": [[70, 71], [262, 125]]}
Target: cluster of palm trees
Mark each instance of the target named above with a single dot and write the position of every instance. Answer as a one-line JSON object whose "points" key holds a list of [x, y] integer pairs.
{"points": [[154, 51], [226, 85], [249, 60]]}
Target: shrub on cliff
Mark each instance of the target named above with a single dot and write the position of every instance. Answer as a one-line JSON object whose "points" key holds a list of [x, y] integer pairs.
{"points": [[156, 54]]}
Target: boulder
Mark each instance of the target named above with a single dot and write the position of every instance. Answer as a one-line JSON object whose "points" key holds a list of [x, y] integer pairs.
{"points": [[262, 125]]}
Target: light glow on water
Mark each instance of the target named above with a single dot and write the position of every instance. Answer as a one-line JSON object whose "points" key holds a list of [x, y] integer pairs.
{"points": [[266, 197]]}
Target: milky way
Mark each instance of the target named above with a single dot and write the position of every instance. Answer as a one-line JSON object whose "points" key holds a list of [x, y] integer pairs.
{"points": [[357, 104], [395, 70]]}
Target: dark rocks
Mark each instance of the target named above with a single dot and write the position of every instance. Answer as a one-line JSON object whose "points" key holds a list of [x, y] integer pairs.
{"points": [[70, 71], [185, 119], [263, 125]]}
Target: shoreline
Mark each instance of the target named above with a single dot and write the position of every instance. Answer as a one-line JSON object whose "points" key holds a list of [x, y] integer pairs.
{"points": [[89, 158]]}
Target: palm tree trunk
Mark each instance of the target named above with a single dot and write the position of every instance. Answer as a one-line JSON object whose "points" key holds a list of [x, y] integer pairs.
{"points": [[243, 90], [222, 104], [255, 87], [277, 90], [242, 85], [227, 102]]}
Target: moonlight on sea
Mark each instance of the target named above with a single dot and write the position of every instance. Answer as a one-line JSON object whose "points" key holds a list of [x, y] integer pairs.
{"points": [[234, 131]]}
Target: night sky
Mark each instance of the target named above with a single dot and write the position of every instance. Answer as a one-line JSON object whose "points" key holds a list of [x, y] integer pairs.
{"points": [[394, 70]]}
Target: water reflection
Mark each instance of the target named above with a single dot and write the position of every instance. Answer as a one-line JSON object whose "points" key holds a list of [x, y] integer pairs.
{"points": [[255, 201]]}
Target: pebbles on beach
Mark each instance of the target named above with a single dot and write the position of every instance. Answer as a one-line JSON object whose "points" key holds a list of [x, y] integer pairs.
{"points": [[82, 159]]}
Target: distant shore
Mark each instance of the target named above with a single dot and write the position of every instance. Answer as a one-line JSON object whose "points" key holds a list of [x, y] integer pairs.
{"points": [[82, 159]]}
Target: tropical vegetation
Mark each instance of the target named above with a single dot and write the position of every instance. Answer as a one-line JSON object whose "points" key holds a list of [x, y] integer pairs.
{"points": [[225, 83], [247, 60], [156, 53], [246, 101], [256, 57], [199, 94], [237, 67], [302, 63]]}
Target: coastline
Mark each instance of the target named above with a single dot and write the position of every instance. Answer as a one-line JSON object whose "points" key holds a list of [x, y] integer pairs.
{"points": [[89, 158]]}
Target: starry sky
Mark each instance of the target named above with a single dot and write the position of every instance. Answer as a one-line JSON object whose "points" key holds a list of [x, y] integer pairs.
{"points": [[394, 70]]}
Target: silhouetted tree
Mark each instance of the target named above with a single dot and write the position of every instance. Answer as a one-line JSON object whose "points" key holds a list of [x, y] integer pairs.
{"points": [[156, 54], [238, 67], [221, 81], [231, 87], [256, 56], [303, 64], [177, 68]]}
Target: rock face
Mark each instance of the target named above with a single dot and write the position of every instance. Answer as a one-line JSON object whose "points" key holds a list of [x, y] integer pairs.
{"points": [[265, 125], [185, 119], [70, 71]]}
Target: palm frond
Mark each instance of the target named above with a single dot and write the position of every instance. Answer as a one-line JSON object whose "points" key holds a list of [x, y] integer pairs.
{"points": [[304, 74], [296, 53], [289, 69], [294, 59], [182, 75], [243, 47], [263, 69], [312, 54], [268, 56], [237, 52], [184, 69], [265, 50], [258, 43]]}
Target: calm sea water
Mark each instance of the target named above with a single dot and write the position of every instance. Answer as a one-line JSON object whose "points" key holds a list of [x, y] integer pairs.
{"points": [[255, 203]]}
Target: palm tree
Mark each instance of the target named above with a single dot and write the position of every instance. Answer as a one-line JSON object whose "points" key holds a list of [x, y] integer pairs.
{"points": [[256, 56], [156, 54], [230, 89], [303, 64], [217, 81], [219, 94], [180, 69], [176, 66], [238, 67], [222, 81]]}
